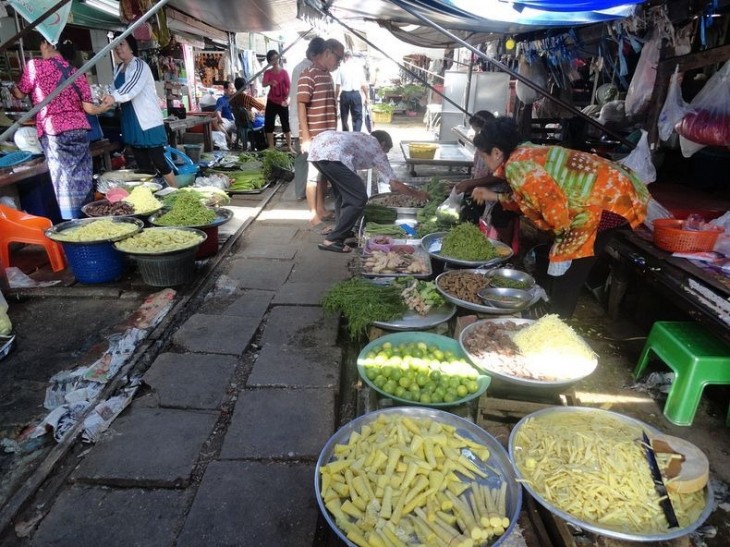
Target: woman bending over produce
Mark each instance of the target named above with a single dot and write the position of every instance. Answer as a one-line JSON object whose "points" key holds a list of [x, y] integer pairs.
{"points": [[580, 197]]}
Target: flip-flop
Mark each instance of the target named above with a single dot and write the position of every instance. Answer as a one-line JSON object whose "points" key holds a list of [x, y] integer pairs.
{"points": [[335, 247], [326, 230]]}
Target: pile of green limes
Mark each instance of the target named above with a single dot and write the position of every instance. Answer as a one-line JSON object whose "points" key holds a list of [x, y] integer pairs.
{"points": [[420, 373]]}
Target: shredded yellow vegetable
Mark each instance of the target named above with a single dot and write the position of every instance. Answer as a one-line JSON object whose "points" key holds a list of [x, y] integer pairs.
{"points": [[593, 467]]}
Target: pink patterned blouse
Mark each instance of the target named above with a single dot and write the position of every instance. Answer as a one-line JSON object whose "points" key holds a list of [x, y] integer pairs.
{"points": [[357, 151], [65, 112]]}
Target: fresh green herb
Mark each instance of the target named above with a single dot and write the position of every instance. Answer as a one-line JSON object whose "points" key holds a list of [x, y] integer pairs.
{"points": [[362, 302], [373, 228]]}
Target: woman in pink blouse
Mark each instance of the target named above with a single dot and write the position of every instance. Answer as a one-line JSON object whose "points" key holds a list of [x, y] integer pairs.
{"points": [[62, 125], [277, 101]]}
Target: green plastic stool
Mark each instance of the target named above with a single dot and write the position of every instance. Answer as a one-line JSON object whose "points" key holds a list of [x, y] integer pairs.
{"points": [[697, 358]]}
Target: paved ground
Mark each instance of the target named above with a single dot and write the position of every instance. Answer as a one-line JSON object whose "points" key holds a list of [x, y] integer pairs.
{"points": [[220, 448]]}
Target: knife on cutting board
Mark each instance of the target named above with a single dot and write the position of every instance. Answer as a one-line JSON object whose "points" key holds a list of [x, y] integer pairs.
{"points": [[664, 502]]}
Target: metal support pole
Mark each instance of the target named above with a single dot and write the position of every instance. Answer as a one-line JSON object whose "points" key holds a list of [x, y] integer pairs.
{"points": [[21, 50], [467, 91], [86, 67], [514, 74]]}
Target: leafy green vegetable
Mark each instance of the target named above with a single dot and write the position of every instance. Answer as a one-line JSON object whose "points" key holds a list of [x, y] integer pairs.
{"points": [[362, 302], [275, 158]]}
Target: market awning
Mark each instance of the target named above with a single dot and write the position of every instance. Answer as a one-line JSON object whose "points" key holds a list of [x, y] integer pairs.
{"points": [[86, 16]]}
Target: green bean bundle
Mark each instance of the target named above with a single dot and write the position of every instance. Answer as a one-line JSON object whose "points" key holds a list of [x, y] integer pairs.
{"points": [[466, 242], [187, 210]]}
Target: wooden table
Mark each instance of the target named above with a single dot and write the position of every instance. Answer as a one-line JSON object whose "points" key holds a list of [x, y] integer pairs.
{"points": [[38, 166], [175, 126]]}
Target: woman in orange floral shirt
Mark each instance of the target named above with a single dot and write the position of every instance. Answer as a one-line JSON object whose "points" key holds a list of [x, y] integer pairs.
{"points": [[580, 197]]}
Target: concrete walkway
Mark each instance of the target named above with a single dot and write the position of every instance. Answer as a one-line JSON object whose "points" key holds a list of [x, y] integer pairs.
{"points": [[222, 449]]}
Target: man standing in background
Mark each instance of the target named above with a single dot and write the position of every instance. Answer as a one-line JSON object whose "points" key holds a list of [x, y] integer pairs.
{"points": [[351, 88], [318, 113], [301, 166]]}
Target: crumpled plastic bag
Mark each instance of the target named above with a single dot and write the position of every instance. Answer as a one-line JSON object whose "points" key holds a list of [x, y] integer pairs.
{"points": [[639, 160]]}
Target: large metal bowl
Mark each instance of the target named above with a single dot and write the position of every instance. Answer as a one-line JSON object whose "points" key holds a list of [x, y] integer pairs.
{"points": [[121, 176], [402, 213], [89, 206], [482, 307], [525, 279], [598, 528], [432, 244], [222, 215], [200, 233], [503, 297], [496, 371], [498, 468], [53, 231]]}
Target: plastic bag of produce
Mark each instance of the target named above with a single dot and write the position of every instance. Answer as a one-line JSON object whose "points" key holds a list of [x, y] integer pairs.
{"points": [[451, 207], [674, 107], [708, 121], [642, 84]]}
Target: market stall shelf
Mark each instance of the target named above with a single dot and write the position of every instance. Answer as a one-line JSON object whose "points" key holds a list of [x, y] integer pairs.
{"points": [[448, 154]]}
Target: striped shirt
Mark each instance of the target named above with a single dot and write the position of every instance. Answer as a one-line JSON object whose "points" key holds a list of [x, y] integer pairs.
{"points": [[246, 101], [316, 90]]}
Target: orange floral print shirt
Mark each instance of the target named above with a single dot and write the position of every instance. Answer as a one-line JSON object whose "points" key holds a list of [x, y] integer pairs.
{"points": [[566, 191]]}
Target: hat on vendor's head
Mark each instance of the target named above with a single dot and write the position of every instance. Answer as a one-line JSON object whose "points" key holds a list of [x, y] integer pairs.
{"points": [[26, 139]]}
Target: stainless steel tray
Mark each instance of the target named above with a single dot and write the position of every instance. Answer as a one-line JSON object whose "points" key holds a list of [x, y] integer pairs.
{"points": [[498, 372], [498, 468], [432, 244], [484, 308], [63, 226], [419, 252], [592, 526], [222, 215], [412, 320]]}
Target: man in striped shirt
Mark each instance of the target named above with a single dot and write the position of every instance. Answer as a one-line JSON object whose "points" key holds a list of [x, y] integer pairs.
{"points": [[317, 112]]}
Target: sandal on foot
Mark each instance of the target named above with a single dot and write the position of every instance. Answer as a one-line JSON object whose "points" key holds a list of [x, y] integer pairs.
{"points": [[326, 230], [335, 247]]}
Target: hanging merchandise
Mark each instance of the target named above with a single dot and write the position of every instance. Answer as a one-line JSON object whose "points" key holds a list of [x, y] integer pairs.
{"points": [[642, 83], [535, 72], [639, 160], [708, 121], [674, 107]]}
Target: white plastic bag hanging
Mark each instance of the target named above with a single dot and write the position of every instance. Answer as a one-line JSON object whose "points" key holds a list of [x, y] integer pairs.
{"points": [[639, 161], [674, 107], [535, 72], [642, 84]]}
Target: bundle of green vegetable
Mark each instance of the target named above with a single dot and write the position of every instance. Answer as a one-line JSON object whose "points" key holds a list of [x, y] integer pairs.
{"points": [[246, 180], [379, 214], [362, 302], [375, 229], [208, 195], [275, 158], [430, 218], [466, 242], [187, 210]]}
